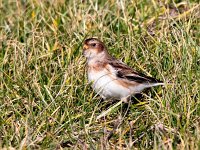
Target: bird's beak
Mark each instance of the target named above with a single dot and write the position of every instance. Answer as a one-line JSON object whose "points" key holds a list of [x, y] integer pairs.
{"points": [[85, 47]]}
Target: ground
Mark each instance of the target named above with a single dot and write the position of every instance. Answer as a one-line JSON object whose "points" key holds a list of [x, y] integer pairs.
{"points": [[46, 101]]}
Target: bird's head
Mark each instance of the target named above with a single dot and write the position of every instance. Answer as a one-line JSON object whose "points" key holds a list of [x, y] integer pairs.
{"points": [[94, 48]]}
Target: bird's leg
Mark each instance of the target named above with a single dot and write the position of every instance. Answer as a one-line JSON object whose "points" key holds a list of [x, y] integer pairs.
{"points": [[102, 99], [126, 99]]}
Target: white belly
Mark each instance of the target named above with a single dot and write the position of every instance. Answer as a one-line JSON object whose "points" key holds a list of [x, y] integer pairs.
{"points": [[106, 86]]}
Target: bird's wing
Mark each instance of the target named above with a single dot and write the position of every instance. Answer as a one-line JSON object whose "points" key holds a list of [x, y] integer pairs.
{"points": [[125, 72]]}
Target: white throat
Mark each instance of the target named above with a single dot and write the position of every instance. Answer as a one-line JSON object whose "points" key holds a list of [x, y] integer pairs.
{"points": [[97, 58]]}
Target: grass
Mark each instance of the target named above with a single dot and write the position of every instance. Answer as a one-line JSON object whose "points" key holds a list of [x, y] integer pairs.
{"points": [[46, 101]]}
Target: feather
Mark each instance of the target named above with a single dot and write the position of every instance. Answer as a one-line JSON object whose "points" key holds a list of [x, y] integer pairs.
{"points": [[125, 72]]}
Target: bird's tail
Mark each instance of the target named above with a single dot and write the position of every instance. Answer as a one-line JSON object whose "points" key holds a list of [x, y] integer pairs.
{"points": [[154, 84]]}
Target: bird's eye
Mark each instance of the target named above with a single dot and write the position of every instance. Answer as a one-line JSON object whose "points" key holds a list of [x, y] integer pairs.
{"points": [[93, 45]]}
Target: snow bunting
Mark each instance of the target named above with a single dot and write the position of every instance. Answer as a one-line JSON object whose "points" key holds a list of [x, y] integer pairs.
{"points": [[110, 77]]}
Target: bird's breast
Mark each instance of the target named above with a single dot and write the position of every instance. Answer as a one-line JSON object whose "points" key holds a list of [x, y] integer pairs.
{"points": [[106, 84]]}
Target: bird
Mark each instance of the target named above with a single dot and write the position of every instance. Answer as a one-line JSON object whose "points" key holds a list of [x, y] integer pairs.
{"points": [[111, 78]]}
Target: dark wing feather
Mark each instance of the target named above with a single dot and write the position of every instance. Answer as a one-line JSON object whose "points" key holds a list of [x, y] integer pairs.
{"points": [[125, 72]]}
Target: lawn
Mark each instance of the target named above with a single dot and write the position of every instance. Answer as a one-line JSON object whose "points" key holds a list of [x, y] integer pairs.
{"points": [[46, 101]]}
